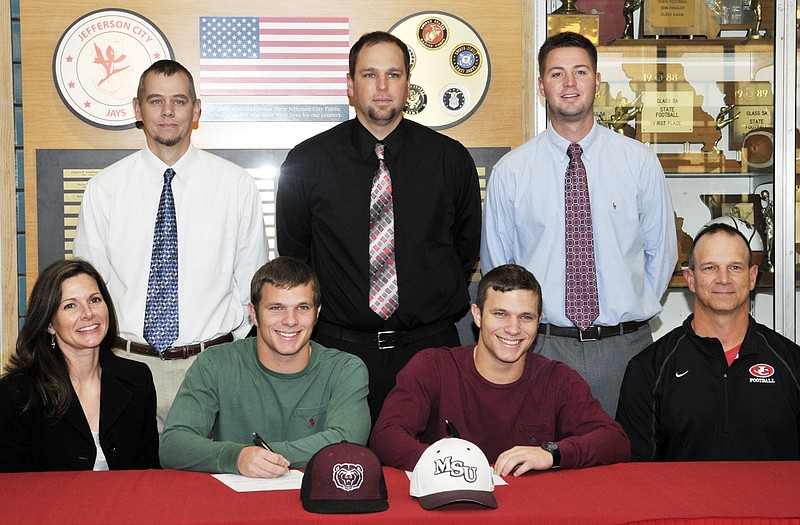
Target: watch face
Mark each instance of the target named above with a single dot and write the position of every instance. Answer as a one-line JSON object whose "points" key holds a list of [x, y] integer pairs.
{"points": [[554, 450]]}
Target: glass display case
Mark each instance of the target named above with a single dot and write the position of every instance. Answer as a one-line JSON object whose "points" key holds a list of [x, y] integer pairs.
{"points": [[710, 87]]}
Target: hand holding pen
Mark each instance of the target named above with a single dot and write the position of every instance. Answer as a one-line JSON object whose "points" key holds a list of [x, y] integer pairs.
{"points": [[261, 461]]}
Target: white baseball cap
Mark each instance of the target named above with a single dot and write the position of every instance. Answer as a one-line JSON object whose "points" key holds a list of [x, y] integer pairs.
{"points": [[453, 470]]}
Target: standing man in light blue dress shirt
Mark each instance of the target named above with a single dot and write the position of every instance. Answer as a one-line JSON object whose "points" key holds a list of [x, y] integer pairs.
{"points": [[635, 246]]}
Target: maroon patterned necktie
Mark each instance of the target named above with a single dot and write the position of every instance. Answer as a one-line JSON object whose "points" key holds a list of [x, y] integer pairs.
{"points": [[582, 304], [383, 297]]}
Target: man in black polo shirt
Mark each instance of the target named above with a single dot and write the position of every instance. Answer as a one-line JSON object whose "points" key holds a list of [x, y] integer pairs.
{"points": [[387, 212], [721, 386]]}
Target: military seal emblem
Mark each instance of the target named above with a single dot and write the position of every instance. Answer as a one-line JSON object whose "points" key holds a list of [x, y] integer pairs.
{"points": [[432, 33]]}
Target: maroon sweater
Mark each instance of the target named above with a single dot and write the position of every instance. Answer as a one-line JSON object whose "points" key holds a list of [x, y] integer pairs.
{"points": [[550, 402]]}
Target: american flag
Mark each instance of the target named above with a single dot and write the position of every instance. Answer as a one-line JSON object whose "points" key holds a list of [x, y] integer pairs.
{"points": [[280, 58]]}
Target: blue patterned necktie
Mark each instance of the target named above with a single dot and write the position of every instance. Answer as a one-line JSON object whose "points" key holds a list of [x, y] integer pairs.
{"points": [[582, 303], [161, 307], [383, 296]]}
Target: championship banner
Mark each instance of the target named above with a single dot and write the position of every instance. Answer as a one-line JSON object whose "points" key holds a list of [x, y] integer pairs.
{"points": [[450, 68]]}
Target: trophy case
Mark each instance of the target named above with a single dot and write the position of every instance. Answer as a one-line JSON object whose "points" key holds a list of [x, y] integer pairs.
{"points": [[702, 83]]}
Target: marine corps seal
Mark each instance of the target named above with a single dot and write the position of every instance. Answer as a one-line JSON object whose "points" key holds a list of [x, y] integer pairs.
{"points": [[432, 33]]}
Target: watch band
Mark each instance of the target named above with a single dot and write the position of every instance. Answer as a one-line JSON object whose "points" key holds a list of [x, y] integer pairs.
{"points": [[553, 449]]}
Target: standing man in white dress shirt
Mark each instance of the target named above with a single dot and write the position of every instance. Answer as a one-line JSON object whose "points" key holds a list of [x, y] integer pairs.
{"points": [[216, 241], [588, 212]]}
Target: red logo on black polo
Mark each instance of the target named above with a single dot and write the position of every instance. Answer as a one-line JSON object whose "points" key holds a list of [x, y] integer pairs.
{"points": [[762, 370]]}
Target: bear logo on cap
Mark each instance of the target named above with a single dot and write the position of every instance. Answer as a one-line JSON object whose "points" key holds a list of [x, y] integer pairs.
{"points": [[348, 476]]}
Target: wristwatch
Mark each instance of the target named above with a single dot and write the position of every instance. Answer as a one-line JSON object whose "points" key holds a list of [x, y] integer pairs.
{"points": [[554, 450]]}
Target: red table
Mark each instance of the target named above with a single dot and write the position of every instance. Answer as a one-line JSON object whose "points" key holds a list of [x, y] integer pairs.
{"points": [[737, 493]]}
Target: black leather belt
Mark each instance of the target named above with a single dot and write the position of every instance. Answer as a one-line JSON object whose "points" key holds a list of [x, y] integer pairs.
{"points": [[173, 352], [383, 340], [592, 333]]}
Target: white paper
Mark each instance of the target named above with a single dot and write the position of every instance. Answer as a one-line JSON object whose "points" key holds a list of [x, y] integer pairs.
{"points": [[289, 481]]}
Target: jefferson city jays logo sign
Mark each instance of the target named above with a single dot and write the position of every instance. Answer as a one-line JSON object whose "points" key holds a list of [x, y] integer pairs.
{"points": [[98, 61]]}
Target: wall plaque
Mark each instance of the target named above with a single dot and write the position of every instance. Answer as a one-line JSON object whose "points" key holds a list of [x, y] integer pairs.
{"points": [[679, 18], [98, 61], [667, 112]]}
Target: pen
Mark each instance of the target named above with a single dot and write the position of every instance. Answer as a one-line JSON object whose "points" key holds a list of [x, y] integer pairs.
{"points": [[260, 442], [451, 429]]}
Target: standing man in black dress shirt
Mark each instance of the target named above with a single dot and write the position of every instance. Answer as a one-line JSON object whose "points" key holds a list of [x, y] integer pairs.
{"points": [[324, 217]]}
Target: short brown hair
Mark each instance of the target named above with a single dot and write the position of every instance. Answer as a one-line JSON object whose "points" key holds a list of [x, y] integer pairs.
{"points": [[377, 37], [566, 39], [726, 229], [166, 68], [284, 272], [507, 278]]}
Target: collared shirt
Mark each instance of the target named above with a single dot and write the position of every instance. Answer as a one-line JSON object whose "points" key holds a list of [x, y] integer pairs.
{"points": [[221, 240], [323, 219], [635, 243], [680, 401]]}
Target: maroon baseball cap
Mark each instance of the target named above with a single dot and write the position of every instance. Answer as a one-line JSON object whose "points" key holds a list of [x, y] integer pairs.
{"points": [[344, 478]]}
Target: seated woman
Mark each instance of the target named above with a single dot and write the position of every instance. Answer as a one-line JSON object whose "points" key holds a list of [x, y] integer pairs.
{"points": [[68, 403]]}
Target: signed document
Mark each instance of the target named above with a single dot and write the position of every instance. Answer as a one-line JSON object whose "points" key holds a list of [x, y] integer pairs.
{"points": [[289, 481]]}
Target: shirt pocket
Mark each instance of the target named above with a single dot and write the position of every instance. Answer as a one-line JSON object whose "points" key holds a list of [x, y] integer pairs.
{"points": [[528, 434], [306, 421]]}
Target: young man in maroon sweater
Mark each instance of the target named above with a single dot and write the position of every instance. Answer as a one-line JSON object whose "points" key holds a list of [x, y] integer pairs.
{"points": [[523, 410]]}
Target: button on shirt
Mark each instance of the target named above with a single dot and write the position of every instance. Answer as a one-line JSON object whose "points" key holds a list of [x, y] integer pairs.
{"points": [[323, 219], [221, 240], [632, 216]]}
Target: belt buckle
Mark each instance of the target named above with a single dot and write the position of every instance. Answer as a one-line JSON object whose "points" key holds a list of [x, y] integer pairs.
{"points": [[388, 340], [591, 333]]}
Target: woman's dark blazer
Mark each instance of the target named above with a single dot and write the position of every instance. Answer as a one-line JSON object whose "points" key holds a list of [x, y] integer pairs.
{"points": [[128, 431]]}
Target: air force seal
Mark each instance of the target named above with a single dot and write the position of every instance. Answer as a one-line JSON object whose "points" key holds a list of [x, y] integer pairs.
{"points": [[98, 61], [454, 98]]}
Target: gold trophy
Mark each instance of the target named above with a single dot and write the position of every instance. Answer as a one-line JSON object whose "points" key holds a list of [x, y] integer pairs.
{"points": [[755, 7], [624, 112], [570, 18], [628, 9], [568, 8], [724, 118]]}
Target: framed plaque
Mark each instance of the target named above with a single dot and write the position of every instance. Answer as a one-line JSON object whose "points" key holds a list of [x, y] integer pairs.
{"points": [[679, 18], [753, 102]]}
